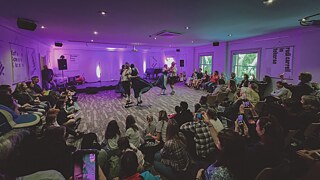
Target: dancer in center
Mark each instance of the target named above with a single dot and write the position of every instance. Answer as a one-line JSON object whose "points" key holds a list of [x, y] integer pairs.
{"points": [[125, 80], [139, 85], [172, 76], [162, 81]]}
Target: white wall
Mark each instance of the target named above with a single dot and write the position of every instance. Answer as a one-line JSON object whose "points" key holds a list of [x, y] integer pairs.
{"points": [[111, 61], [8, 36]]}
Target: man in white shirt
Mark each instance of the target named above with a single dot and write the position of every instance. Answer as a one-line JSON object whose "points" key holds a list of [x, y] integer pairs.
{"points": [[280, 92], [172, 76], [125, 80]]}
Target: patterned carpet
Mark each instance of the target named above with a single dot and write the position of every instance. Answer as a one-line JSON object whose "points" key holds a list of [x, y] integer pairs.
{"points": [[99, 109]]}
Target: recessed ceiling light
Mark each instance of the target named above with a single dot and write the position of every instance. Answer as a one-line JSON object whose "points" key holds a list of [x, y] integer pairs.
{"points": [[268, 2], [42, 27], [103, 13], [192, 42], [229, 35], [155, 37], [303, 20], [91, 40], [187, 27], [95, 32]]}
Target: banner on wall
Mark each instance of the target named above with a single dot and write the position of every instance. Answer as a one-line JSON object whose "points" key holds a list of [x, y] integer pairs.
{"points": [[19, 63], [280, 61], [32, 61], [2, 65]]}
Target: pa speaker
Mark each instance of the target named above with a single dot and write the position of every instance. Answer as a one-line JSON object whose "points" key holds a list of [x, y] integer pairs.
{"points": [[215, 44], [58, 44], [26, 24], [62, 64], [177, 50], [181, 63]]}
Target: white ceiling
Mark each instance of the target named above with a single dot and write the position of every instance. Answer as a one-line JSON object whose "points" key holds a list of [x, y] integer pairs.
{"points": [[132, 21]]}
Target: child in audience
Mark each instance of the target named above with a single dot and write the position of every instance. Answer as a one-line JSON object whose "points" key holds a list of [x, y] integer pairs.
{"points": [[150, 129], [125, 146], [132, 131], [111, 136]]}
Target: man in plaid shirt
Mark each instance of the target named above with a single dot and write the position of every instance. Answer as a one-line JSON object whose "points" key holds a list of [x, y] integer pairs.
{"points": [[202, 137]]}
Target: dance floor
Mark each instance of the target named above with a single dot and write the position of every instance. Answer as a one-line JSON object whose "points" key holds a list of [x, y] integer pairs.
{"points": [[99, 109]]}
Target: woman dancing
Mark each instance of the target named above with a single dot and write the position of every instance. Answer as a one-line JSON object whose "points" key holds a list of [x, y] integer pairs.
{"points": [[172, 76], [162, 81], [139, 85]]}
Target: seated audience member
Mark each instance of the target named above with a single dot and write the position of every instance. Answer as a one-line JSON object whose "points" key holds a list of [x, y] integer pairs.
{"points": [[51, 119], [233, 77], [268, 152], [193, 76], [203, 102], [35, 86], [198, 80], [196, 109], [173, 159], [90, 141], [221, 87], [124, 146], [54, 152], [150, 127], [250, 93], [282, 79], [213, 81], [316, 87], [281, 93], [203, 140], [245, 81], [185, 115], [5, 89], [212, 115], [303, 88], [265, 87], [22, 95], [232, 91], [132, 131], [231, 156], [129, 168], [222, 76], [177, 109], [111, 136], [308, 115]]}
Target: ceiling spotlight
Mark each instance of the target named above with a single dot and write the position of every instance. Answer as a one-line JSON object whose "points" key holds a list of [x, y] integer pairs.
{"points": [[95, 32], [91, 40], [42, 27], [229, 35], [103, 13], [192, 42], [187, 27], [268, 2], [155, 38]]}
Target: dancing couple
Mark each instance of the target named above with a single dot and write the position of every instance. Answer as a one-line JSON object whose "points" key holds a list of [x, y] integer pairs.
{"points": [[169, 75], [130, 77]]}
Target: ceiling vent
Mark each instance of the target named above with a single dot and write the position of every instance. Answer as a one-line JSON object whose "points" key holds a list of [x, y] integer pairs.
{"points": [[167, 34]]}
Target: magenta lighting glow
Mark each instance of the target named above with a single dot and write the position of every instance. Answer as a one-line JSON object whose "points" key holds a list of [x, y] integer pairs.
{"points": [[98, 71]]}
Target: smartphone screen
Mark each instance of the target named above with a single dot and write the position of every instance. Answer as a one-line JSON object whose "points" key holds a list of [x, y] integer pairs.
{"points": [[198, 115], [240, 118], [85, 166]]}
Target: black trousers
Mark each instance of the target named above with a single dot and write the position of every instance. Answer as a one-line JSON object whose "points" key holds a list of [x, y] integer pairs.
{"points": [[126, 87]]}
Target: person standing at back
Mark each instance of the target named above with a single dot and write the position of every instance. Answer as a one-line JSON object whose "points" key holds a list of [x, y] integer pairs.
{"points": [[172, 76], [125, 80], [47, 76]]}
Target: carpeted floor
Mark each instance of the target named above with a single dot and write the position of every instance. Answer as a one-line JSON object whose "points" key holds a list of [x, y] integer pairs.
{"points": [[99, 109]]}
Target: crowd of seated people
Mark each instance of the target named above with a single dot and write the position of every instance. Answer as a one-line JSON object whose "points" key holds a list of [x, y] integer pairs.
{"points": [[236, 142]]}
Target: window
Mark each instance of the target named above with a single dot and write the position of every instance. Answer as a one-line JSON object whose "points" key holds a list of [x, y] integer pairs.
{"points": [[206, 63], [245, 63], [169, 60]]}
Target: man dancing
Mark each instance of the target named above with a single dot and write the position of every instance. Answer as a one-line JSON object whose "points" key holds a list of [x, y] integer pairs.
{"points": [[172, 76]]}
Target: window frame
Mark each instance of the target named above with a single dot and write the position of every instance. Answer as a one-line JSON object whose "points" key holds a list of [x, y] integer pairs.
{"points": [[200, 64], [247, 51]]}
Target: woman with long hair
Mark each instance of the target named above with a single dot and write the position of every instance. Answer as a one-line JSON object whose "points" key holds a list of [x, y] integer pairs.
{"points": [[111, 136], [132, 131], [173, 158]]}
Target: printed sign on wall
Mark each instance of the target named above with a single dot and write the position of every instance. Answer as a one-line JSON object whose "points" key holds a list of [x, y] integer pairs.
{"points": [[19, 63], [32, 61], [280, 61]]}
